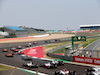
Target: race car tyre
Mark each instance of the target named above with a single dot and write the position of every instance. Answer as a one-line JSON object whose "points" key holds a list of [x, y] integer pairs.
{"points": [[41, 65], [55, 66], [48, 67], [36, 66]]}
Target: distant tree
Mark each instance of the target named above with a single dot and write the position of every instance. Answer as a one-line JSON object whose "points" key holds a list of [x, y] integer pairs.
{"points": [[2, 29]]}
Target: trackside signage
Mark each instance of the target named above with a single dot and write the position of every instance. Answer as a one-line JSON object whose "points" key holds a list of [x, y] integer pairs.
{"points": [[88, 60], [34, 52]]}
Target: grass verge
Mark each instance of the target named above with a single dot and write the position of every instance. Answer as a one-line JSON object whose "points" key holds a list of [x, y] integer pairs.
{"points": [[5, 68], [83, 43]]}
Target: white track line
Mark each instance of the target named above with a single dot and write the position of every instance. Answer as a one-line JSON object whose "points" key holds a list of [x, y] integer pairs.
{"points": [[23, 69]]}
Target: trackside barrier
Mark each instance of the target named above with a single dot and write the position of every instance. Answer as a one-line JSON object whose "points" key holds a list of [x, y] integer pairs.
{"points": [[15, 38], [40, 35], [88, 60], [66, 57], [24, 37], [70, 58]]}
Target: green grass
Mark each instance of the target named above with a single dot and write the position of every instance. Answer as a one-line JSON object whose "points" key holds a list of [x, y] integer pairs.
{"points": [[60, 50], [57, 44], [4, 68], [62, 60]]}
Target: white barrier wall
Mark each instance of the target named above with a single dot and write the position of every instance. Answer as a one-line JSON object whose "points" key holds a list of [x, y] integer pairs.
{"points": [[39, 35]]}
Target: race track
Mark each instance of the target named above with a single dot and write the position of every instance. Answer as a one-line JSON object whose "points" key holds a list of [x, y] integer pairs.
{"points": [[16, 61]]}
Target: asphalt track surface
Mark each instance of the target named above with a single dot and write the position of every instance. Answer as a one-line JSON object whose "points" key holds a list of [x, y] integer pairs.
{"points": [[17, 61], [93, 46]]}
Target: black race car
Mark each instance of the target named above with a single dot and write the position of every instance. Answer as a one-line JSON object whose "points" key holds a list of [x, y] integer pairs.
{"points": [[26, 58], [48, 65], [30, 65], [57, 39], [47, 41], [64, 72]]}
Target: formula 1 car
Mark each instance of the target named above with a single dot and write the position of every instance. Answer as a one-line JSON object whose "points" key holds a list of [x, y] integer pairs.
{"points": [[48, 65], [16, 50], [64, 72], [28, 45], [35, 43], [12, 49], [47, 41], [4, 50], [19, 47], [57, 39], [11, 52], [21, 52], [57, 62], [92, 73], [9, 55], [93, 69], [30, 65], [26, 58]]}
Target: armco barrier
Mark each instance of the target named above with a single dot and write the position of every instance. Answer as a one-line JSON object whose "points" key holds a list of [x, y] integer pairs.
{"points": [[69, 58]]}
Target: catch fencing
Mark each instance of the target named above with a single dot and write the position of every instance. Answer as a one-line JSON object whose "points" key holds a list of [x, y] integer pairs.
{"points": [[88, 53]]}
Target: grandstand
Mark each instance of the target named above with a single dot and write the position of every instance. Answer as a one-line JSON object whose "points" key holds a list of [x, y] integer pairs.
{"points": [[15, 30], [91, 26], [33, 30]]}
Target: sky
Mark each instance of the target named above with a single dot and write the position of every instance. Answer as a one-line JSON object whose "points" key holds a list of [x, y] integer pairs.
{"points": [[49, 14]]}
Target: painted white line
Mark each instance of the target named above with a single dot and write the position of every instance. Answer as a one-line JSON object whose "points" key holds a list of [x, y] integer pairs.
{"points": [[7, 65], [23, 69], [89, 44], [32, 71], [96, 45]]}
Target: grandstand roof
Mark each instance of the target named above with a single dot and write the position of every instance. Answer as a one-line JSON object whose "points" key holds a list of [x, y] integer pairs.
{"points": [[89, 25], [14, 28]]}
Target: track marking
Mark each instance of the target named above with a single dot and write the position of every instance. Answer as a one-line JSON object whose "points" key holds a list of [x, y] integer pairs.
{"points": [[96, 45], [89, 44], [29, 71]]}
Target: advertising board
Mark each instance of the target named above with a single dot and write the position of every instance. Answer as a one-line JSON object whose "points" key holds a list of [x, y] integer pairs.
{"points": [[88, 60], [34, 52]]}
